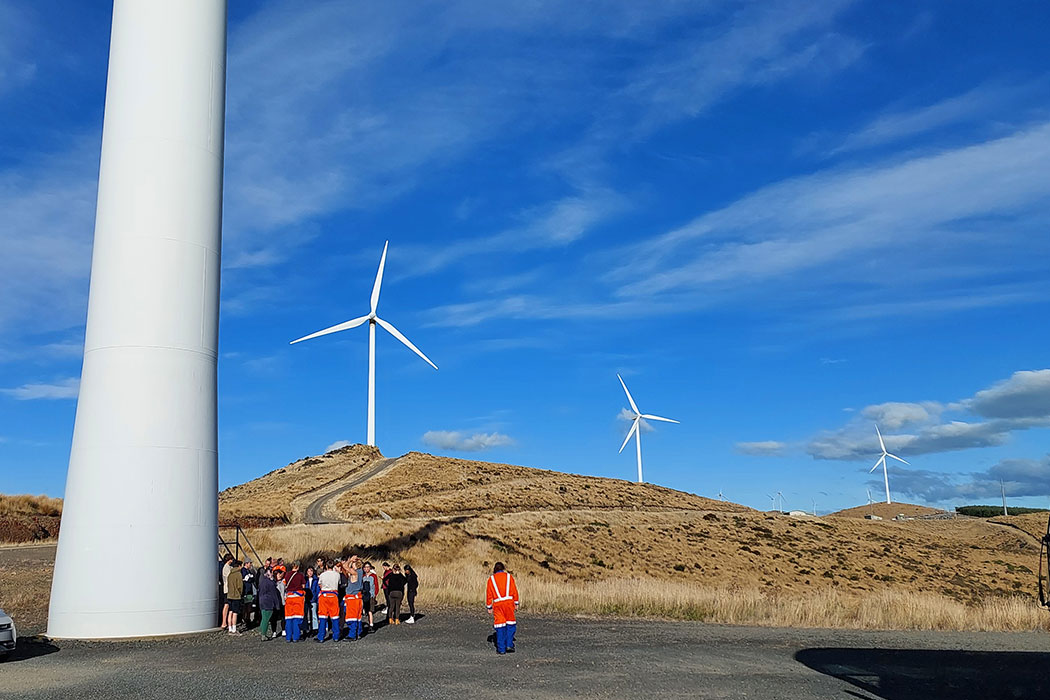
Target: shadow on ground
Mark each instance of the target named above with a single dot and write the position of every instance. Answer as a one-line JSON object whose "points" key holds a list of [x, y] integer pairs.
{"points": [[30, 648], [914, 674]]}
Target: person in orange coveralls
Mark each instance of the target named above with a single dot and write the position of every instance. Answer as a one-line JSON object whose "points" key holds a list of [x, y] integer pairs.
{"points": [[501, 598]]}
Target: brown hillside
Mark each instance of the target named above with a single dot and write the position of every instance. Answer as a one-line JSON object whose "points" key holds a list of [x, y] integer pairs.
{"points": [[270, 496], [426, 485], [1032, 523], [888, 511]]}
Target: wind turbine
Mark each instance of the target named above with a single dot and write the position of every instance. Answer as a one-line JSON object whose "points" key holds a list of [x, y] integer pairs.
{"points": [[774, 500], [635, 426], [780, 495], [1003, 487], [882, 461], [721, 496], [373, 320]]}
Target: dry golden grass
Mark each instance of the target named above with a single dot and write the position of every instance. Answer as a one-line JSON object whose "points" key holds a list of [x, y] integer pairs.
{"points": [[26, 504], [1032, 523], [271, 496], [424, 485], [850, 574], [25, 586]]}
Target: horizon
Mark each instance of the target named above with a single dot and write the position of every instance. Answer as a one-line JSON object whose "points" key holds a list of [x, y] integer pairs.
{"points": [[781, 224]]}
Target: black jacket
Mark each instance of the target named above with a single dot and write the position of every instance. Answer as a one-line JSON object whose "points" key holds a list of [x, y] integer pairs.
{"points": [[396, 582]]}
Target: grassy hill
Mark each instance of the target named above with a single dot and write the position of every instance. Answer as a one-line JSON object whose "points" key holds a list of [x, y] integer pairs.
{"points": [[425, 485], [269, 499], [888, 511], [587, 544]]}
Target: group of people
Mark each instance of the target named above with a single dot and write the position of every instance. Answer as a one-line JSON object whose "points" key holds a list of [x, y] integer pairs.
{"points": [[335, 599], [335, 595]]}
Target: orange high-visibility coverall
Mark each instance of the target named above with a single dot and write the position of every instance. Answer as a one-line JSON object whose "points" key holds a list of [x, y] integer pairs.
{"points": [[501, 597], [353, 606], [328, 605]]}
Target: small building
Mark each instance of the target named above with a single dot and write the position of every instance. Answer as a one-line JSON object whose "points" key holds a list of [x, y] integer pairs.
{"points": [[872, 517]]}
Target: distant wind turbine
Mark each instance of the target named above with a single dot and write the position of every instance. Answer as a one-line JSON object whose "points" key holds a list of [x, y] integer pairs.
{"points": [[636, 430], [1002, 486], [882, 461], [774, 500], [721, 496], [780, 495], [373, 320]]}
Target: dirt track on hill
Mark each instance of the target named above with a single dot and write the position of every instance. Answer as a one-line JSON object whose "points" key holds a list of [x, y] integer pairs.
{"points": [[314, 513]]}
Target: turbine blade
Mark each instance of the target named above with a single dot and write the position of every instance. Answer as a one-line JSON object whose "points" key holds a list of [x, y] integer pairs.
{"points": [[881, 443], [379, 279], [630, 399], [665, 420], [896, 458], [353, 323], [630, 434], [881, 460], [397, 334]]}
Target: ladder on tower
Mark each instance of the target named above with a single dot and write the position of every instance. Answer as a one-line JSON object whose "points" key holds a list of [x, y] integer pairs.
{"points": [[237, 547]]}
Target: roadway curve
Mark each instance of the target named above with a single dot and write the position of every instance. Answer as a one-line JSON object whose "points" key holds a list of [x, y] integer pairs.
{"points": [[314, 514]]}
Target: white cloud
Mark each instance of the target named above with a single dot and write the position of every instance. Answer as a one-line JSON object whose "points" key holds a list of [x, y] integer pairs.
{"points": [[463, 442], [338, 444], [902, 124], [895, 415], [1026, 394], [62, 389], [1021, 402], [764, 448], [841, 218], [1019, 478]]}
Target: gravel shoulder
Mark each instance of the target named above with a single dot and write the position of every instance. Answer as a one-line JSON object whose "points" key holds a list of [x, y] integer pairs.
{"points": [[446, 655]]}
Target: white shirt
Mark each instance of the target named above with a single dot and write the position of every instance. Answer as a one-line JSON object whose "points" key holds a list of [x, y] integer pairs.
{"points": [[226, 577], [329, 581]]}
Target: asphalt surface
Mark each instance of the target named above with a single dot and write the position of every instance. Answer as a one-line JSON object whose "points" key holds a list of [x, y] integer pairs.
{"points": [[314, 515], [446, 655]]}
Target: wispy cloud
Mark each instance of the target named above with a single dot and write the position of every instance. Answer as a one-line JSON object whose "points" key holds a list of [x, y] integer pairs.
{"points": [[62, 389], [764, 448], [465, 442], [337, 445], [977, 104]]}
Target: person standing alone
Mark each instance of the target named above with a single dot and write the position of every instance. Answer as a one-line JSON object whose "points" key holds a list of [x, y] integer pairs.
{"points": [[501, 598]]}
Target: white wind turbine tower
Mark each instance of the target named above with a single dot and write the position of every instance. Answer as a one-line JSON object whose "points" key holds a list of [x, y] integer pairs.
{"points": [[882, 461], [635, 426], [372, 320]]}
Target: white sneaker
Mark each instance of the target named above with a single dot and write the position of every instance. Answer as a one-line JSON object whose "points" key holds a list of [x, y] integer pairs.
{"points": [[410, 621], [284, 633]]}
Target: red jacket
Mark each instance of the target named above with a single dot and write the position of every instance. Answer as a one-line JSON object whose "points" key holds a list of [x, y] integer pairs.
{"points": [[295, 582]]}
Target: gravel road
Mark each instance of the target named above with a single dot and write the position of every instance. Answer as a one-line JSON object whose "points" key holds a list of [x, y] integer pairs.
{"points": [[314, 514], [446, 655]]}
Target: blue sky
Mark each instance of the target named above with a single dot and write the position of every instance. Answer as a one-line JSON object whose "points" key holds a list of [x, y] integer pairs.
{"points": [[779, 221]]}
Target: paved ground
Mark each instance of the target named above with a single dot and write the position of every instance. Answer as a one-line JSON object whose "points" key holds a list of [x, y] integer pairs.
{"points": [[446, 655], [314, 514]]}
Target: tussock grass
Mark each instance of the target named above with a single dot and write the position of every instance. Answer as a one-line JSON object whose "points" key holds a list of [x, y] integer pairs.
{"points": [[453, 570], [26, 504]]}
